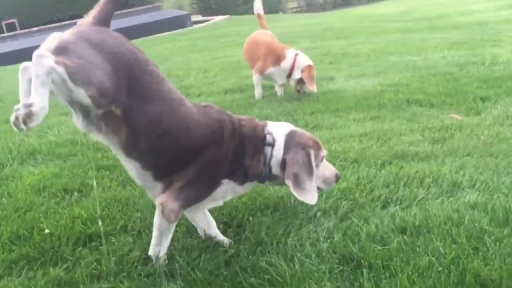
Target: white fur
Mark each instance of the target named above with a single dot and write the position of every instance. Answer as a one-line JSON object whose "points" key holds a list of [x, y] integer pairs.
{"points": [[258, 7], [201, 218], [279, 130], [34, 106], [161, 237], [258, 91]]}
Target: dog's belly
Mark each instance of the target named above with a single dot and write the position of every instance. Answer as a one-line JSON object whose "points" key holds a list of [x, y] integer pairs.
{"points": [[226, 191], [140, 176]]}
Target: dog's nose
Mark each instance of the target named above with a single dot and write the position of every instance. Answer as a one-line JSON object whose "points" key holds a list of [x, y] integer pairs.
{"points": [[337, 177]]}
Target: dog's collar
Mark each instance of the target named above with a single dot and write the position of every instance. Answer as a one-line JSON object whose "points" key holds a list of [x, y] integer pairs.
{"points": [[292, 68], [270, 143]]}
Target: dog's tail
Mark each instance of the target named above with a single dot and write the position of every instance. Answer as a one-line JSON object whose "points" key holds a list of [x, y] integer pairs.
{"points": [[260, 14], [101, 14]]}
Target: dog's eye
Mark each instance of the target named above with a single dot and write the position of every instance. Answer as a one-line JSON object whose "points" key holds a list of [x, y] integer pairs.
{"points": [[322, 160]]}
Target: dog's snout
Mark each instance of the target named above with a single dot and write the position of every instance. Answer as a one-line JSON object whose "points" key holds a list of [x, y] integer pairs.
{"points": [[337, 177]]}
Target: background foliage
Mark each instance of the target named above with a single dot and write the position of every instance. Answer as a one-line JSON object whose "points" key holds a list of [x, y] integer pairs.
{"points": [[233, 7], [243, 7], [326, 5], [34, 13]]}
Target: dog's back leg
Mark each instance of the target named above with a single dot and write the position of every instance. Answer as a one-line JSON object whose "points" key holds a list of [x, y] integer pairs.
{"points": [[257, 79], [35, 80], [25, 81], [206, 225], [167, 214]]}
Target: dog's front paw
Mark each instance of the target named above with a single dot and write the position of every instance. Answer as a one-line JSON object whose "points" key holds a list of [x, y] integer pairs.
{"points": [[158, 256], [279, 89], [225, 242], [27, 115], [158, 259]]}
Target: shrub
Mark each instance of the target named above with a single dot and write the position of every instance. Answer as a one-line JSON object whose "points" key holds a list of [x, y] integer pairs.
{"points": [[325, 5], [233, 7], [177, 4], [34, 13]]}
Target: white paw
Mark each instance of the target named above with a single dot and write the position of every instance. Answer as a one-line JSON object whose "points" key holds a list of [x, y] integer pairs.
{"points": [[201, 232], [154, 253], [27, 115], [159, 259], [217, 236], [279, 90], [258, 94], [224, 241]]}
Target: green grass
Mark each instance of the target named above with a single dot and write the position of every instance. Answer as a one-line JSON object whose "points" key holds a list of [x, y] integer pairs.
{"points": [[425, 200]]}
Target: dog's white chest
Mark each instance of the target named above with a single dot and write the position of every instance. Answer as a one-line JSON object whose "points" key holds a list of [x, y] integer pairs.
{"points": [[227, 190], [276, 75]]}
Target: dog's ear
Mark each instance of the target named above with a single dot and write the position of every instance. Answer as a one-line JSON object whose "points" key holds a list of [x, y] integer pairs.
{"points": [[300, 174], [309, 76]]}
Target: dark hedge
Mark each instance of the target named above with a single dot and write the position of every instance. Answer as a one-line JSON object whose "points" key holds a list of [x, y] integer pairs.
{"points": [[34, 13]]}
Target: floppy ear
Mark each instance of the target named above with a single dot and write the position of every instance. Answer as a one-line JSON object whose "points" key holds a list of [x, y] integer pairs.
{"points": [[300, 175], [308, 74]]}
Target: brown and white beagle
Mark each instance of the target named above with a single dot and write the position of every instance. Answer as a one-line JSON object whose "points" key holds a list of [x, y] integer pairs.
{"points": [[188, 157]]}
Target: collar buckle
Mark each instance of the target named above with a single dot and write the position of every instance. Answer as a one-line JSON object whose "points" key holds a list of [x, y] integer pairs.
{"points": [[270, 142]]}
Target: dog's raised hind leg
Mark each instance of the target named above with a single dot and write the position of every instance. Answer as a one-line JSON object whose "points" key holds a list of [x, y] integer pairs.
{"points": [[35, 80], [24, 84]]}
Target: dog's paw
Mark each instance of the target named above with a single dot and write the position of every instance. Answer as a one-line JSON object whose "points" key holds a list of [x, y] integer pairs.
{"points": [[225, 242], [258, 94], [158, 259], [27, 115], [157, 255], [279, 90]]}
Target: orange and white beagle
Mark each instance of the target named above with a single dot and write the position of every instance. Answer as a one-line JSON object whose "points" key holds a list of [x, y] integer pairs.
{"points": [[272, 60]]}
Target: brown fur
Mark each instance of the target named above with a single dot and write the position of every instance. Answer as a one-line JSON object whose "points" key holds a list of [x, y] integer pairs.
{"points": [[298, 142], [262, 21], [263, 51], [101, 14], [153, 123], [171, 210]]}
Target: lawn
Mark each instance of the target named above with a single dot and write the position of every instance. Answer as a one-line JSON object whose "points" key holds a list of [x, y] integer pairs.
{"points": [[425, 200]]}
